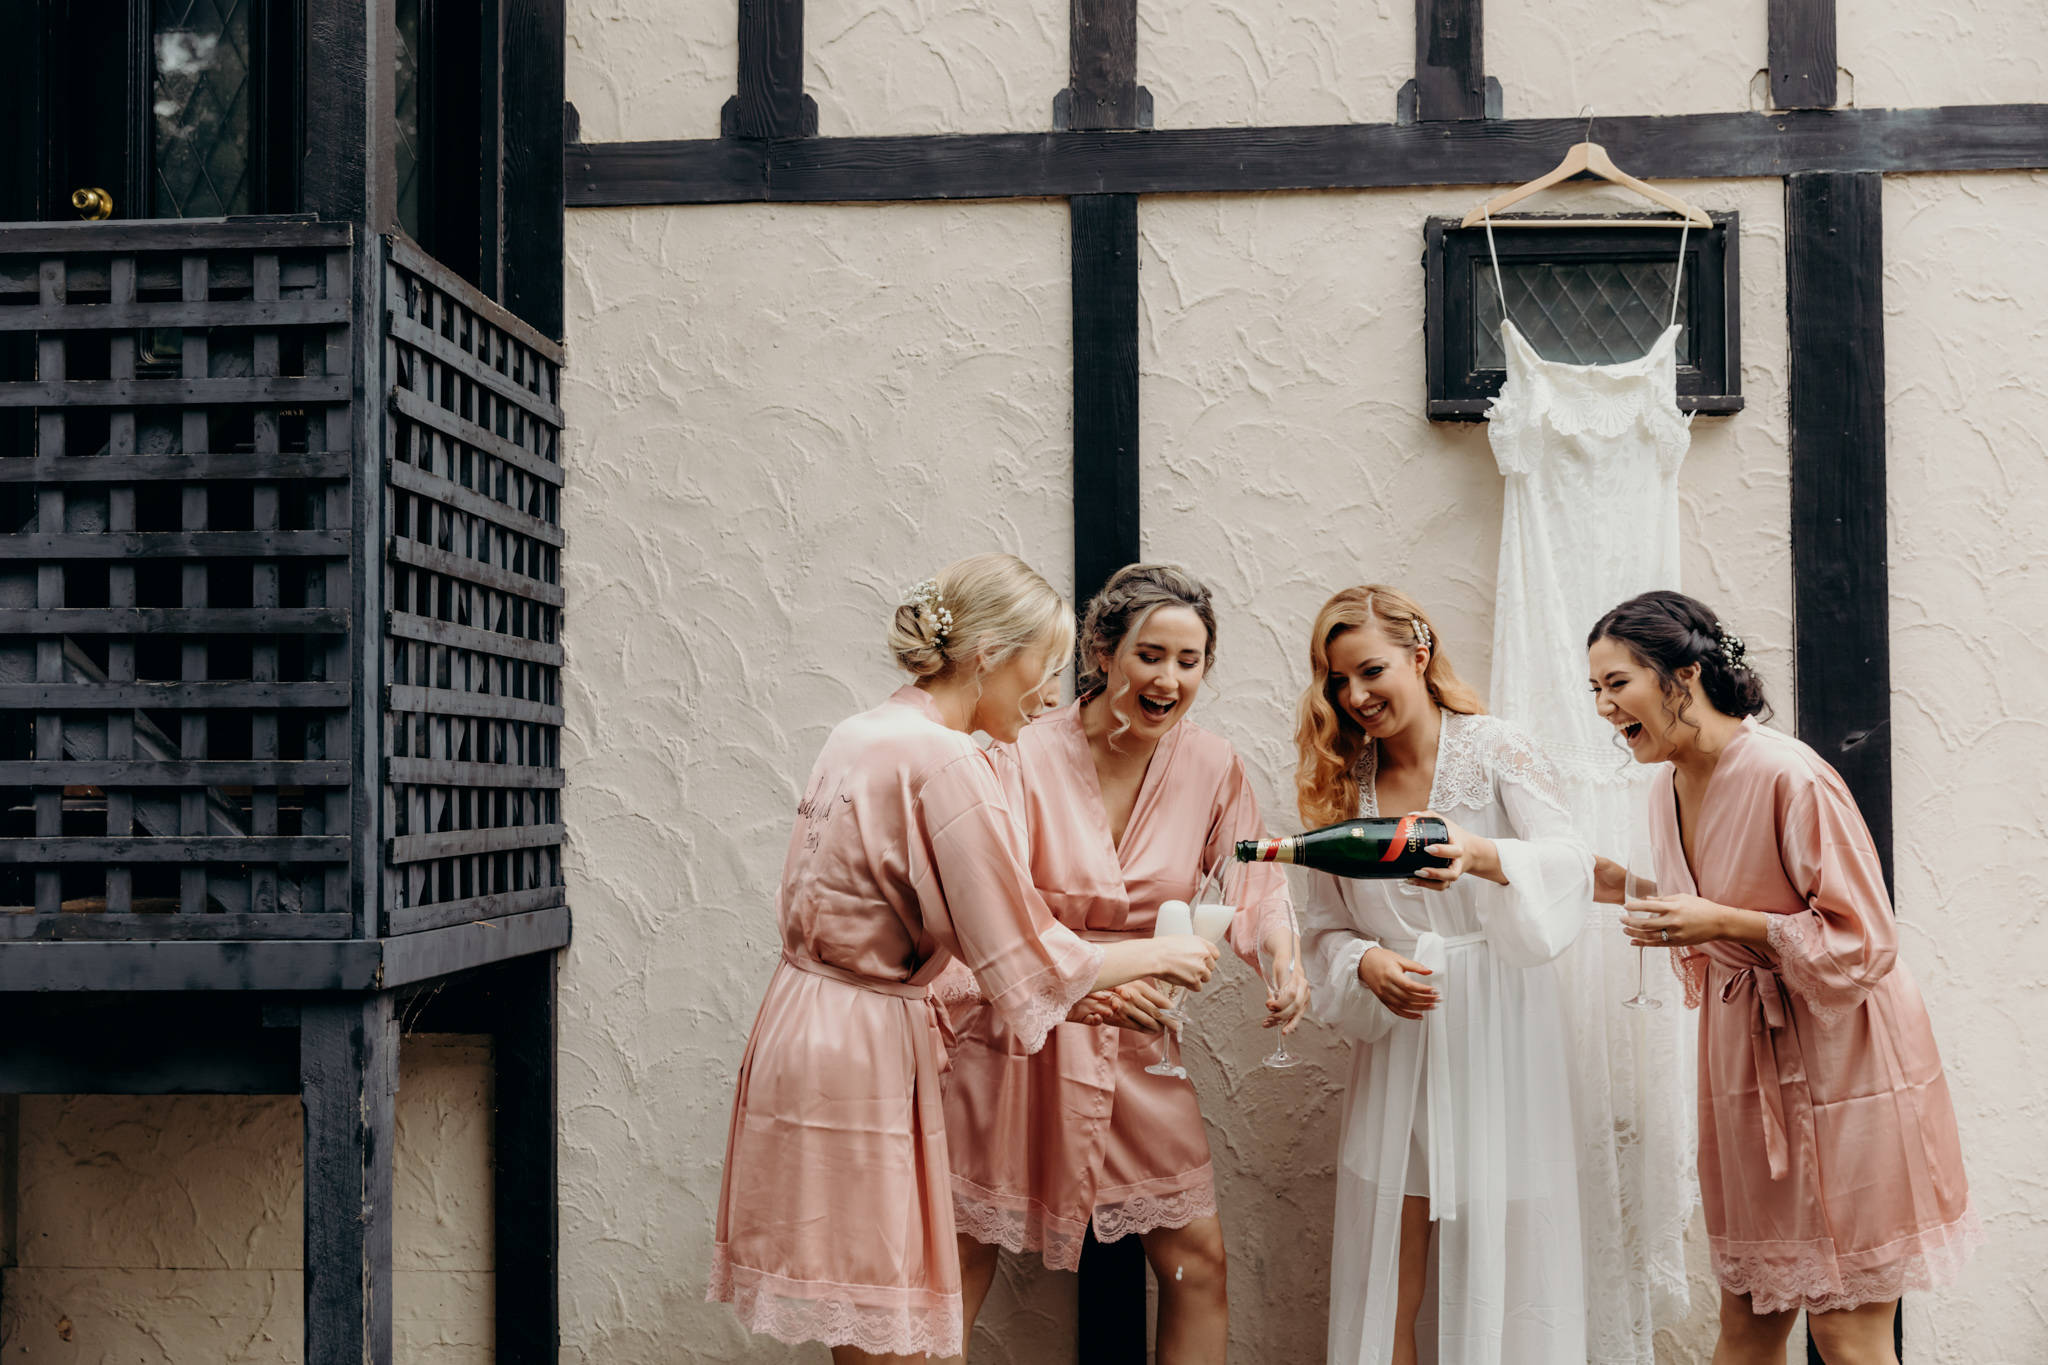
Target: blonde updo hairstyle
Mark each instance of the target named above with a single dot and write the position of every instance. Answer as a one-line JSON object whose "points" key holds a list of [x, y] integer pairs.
{"points": [[980, 611], [1120, 609], [1328, 742]]}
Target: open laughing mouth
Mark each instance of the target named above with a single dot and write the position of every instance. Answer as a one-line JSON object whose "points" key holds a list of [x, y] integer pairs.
{"points": [[1632, 732], [1368, 714], [1156, 710]]}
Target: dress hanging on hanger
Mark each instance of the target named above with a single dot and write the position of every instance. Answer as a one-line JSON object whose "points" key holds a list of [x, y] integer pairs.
{"points": [[1591, 455]]}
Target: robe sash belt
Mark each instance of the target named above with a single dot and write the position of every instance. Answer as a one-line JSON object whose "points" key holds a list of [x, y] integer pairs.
{"points": [[1434, 951], [929, 1026], [1768, 1015]]}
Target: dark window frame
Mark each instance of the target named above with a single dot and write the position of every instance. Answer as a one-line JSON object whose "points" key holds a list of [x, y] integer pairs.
{"points": [[1457, 266]]}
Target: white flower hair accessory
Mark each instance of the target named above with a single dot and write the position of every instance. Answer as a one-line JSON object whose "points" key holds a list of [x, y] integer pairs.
{"points": [[925, 598], [1733, 651], [1423, 635]]}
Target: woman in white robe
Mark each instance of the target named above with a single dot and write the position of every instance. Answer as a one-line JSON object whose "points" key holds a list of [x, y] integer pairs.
{"points": [[1457, 1234]]}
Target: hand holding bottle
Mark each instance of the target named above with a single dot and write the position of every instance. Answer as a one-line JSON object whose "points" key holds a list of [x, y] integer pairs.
{"points": [[1463, 853]]}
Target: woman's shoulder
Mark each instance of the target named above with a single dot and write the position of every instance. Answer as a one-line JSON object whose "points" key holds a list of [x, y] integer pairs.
{"points": [[1785, 763], [1500, 742]]}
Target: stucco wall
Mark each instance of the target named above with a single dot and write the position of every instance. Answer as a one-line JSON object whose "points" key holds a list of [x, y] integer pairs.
{"points": [[1965, 343], [166, 1230], [780, 416]]}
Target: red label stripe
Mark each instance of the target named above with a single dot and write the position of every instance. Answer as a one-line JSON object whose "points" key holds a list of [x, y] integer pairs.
{"points": [[1402, 833]]}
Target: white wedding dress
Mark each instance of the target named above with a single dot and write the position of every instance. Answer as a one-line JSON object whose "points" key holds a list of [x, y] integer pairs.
{"points": [[1590, 518]]}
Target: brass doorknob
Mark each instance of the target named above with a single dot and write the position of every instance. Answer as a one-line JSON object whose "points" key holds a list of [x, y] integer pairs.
{"points": [[92, 204]]}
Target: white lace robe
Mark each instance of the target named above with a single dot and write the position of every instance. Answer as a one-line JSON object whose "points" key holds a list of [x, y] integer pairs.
{"points": [[1478, 1086]]}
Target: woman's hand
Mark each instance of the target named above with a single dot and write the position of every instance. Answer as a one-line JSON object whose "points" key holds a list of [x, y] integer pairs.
{"points": [[1610, 881], [1467, 852], [1286, 1005], [1183, 959], [1136, 1005], [1386, 974], [1674, 921]]}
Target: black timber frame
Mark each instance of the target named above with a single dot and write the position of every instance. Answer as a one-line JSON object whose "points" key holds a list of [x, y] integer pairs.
{"points": [[1832, 160], [320, 1015]]}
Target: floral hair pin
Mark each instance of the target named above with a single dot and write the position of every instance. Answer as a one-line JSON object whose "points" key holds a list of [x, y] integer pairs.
{"points": [[1733, 651], [925, 598]]}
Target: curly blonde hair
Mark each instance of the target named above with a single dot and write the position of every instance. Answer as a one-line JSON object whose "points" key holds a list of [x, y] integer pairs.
{"points": [[1328, 742]]}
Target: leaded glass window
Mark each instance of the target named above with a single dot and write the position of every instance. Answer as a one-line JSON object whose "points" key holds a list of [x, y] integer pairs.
{"points": [[407, 94], [200, 107], [1581, 296]]}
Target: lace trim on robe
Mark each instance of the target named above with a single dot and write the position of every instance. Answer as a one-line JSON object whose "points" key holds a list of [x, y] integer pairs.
{"points": [[1017, 1224], [1172, 1202], [879, 1319], [1809, 1275], [1047, 998], [1796, 939]]}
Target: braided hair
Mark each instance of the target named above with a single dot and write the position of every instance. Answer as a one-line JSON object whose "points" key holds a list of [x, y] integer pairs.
{"points": [[1667, 631]]}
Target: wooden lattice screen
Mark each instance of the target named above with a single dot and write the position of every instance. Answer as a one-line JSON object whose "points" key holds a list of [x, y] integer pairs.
{"points": [[175, 580], [472, 650]]}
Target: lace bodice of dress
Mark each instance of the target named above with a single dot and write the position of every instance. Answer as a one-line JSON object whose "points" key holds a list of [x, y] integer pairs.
{"points": [[1473, 754]]}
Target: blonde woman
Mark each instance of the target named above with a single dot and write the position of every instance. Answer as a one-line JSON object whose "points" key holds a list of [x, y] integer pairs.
{"points": [[835, 1217], [1457, 1226], [1127, 804]]}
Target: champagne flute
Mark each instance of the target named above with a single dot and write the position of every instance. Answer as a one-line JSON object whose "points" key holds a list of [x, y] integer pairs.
{"points": [[1277, 971], [1175, 917], [1641, 881]]}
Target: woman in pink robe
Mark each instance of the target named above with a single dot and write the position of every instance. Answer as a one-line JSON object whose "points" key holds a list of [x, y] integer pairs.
{"points": [[1127, 804], [835, 1218], [1830, 1170]]}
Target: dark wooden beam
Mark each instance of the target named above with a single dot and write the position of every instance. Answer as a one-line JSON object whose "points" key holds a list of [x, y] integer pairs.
{"points": [[279, 965], [1105, 283], [771, 101], [148, 1045], [534, 39], [348, 1064], [1450, 68], [528, 1233], [1102, 64], [1834, 306], [350, 169], [1335, 156], [1802, 54]]}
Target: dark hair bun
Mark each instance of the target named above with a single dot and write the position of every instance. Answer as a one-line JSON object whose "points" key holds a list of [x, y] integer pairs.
{"points": [[1669, 631]]}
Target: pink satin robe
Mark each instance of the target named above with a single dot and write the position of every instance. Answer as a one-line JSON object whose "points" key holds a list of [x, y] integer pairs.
{"points": [[1830, 1169], [1042, 1143], [835, 1220]]}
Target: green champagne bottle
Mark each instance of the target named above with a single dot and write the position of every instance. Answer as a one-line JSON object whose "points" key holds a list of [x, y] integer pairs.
{"points": [[1382, 847]]}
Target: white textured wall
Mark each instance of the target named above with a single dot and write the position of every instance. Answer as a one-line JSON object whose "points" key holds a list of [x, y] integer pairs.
{"points": [[1553, 57], [782, 417], [1215, 63], [1966, 338], [1912, 54], [167, 1230]]}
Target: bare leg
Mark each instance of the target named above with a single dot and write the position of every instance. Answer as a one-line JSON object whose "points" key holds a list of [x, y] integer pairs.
{"points": [[1751, 1338], [1194, 1306], [853, 1355], [1856, 1336], [977, 1273], [1414, 1252]]}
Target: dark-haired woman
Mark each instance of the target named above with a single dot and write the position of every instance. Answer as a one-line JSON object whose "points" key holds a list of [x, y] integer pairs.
{"points": [[1830, 1170], [1128, 804]]}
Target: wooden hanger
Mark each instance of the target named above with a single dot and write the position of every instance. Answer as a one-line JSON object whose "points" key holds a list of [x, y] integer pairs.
{"points": [[1591, 157]]}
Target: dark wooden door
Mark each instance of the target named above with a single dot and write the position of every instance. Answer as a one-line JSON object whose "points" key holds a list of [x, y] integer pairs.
{"points": [[150, 109]]}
